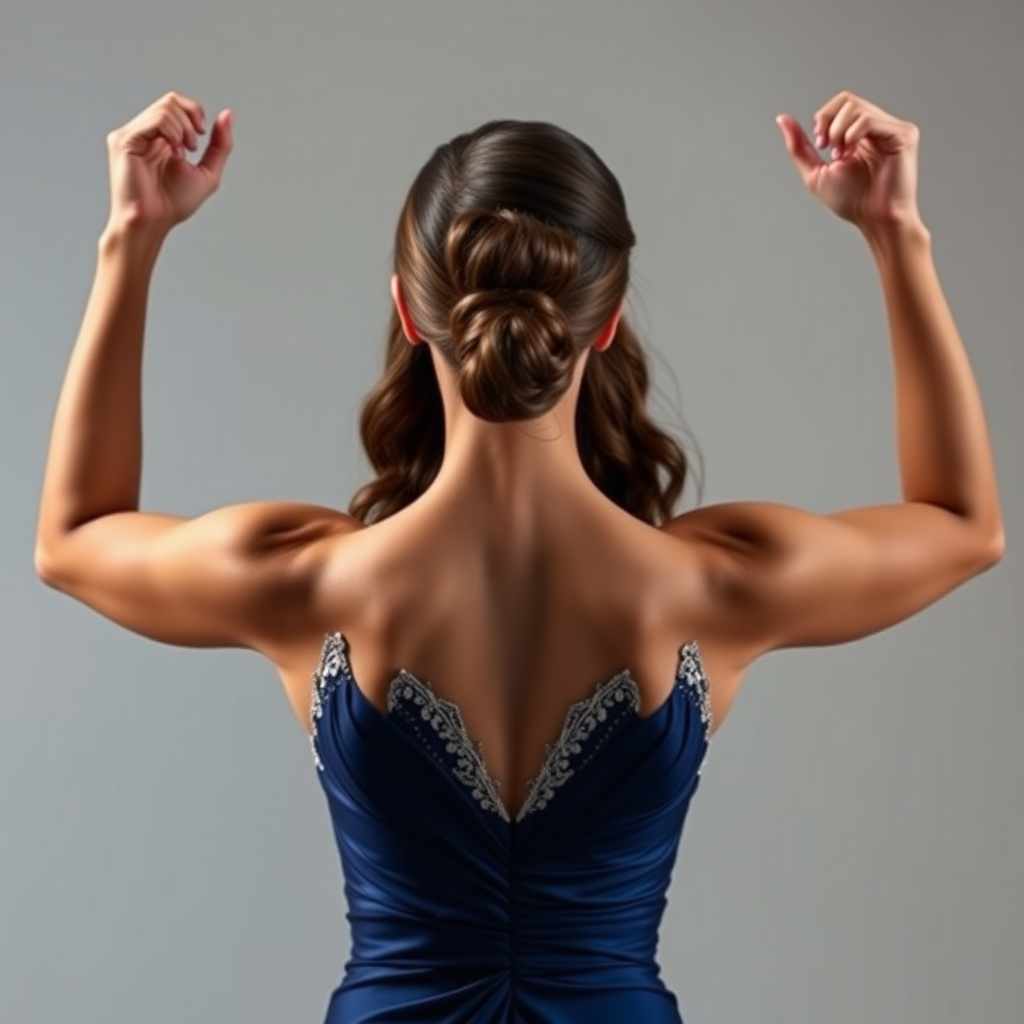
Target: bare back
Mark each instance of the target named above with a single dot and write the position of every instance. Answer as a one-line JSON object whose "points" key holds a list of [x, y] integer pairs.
{"points": [[514, 626]]}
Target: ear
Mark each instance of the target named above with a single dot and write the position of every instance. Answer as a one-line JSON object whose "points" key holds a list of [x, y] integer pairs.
{"points": [[607, 336], [408, 327]]}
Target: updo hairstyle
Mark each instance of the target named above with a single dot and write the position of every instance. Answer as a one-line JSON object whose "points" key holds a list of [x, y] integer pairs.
{"points": [[513, 249]]}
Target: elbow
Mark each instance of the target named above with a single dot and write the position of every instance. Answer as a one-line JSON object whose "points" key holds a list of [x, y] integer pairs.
{"points": [[998, 547], [47, 567], [993, 548], [44, 567]]}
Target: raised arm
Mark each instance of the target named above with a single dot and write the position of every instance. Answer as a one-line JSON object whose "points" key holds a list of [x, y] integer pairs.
{"points": [[237, 576], [792, 578]]}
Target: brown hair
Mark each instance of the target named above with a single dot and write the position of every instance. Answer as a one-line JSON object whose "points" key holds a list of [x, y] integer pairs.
{"points": [[513, 253]]}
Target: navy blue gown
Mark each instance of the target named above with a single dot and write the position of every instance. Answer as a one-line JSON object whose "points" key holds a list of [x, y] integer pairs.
{"points": [[461, 914]]}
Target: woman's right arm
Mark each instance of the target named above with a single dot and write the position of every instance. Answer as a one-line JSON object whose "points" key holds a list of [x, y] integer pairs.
{"points": [[794, 578]]}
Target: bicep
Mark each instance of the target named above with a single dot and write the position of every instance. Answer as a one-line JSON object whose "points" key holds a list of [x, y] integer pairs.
{"points": [[222, 579], [793, 578]]}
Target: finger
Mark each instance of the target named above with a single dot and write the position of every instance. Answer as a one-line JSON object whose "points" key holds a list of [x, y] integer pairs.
{"points": [[177, 118], [825, 114], [832, 121], [192, 109], [856, 130], [184, 125], [153, 123], [837, 126], [222, 141], [888, 133], [178, 125], [187, 113], [800, 148]]}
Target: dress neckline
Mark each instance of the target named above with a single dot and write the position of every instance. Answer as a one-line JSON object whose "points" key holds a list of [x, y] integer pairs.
{"points": [[610, 703]]}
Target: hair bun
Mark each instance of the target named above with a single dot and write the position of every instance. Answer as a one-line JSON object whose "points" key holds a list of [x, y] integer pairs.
{"points": [[509, 249], [512, 342]]}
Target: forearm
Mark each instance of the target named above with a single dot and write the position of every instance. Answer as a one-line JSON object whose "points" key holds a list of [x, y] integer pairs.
{"points": [[945, 458], [94, 466]]}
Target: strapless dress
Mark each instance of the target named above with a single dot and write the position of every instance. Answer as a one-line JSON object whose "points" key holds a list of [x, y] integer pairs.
{"points": [[461, 913]]}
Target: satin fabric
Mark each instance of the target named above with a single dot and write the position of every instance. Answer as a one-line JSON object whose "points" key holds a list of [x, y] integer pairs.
{"points": [[460, 915]]}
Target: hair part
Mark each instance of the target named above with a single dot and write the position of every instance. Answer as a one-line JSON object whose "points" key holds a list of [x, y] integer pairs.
{"points": [[513, 252]]}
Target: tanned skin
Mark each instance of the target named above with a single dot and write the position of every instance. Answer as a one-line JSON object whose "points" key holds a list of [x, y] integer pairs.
{"points": [[513, 584]]}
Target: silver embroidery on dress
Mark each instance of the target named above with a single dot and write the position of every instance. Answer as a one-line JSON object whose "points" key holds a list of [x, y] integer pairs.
{"points": [[561, 757], [692, 676], [325, 678], [581, 721], [445, 719]]}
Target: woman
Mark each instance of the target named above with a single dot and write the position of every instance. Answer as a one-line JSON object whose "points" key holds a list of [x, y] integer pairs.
{"points": [[542, 649]]}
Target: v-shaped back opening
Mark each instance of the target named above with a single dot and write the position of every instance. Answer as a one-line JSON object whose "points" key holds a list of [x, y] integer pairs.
{"points": [[610, 702]]}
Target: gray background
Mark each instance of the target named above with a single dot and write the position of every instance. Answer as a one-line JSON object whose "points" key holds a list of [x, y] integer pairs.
{"points": [[855, 852]]}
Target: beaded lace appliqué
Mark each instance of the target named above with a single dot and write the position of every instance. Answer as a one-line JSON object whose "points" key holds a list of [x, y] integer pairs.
{"points": [[691, 676], [417, 703], [325, 679], [589, 723]]}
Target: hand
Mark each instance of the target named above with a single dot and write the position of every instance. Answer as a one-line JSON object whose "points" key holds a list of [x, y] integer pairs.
{"points": [[152, 184], [871, 179]]}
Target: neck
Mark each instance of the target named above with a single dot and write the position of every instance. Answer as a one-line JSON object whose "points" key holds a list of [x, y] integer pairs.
{"points": [[511, 465], [518, 488], [511, 469]]}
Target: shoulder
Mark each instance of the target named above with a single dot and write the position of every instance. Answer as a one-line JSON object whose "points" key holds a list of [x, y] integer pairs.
{"points": [[261, 524], [289, 549], [239, 575], [788, 577], [725, 540]]}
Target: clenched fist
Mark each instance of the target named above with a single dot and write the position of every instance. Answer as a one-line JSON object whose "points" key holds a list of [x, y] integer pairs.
{"points": [[153, 185], [871, 179]]}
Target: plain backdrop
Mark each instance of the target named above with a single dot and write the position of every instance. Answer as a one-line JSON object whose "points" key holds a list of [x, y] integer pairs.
{"points": [[855, 852]]}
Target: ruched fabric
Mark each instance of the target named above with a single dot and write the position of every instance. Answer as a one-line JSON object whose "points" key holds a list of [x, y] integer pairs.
{"points": [[460, 914]]}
